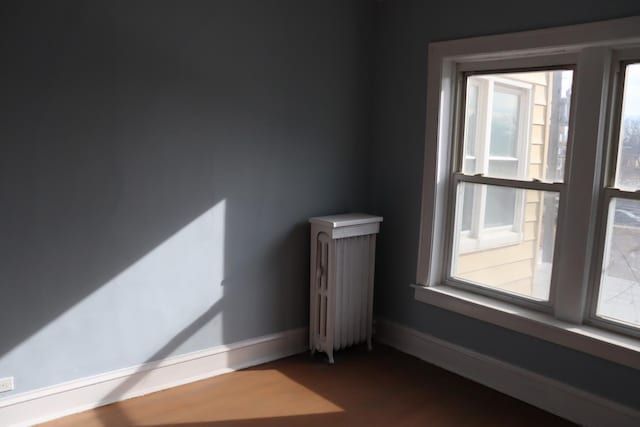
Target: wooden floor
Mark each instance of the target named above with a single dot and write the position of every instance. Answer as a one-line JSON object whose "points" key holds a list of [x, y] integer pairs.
{"points": [[381, 388]]}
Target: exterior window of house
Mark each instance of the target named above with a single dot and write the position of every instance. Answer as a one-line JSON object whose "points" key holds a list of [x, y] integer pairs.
{"points": [[497, 117], [531, 187]]}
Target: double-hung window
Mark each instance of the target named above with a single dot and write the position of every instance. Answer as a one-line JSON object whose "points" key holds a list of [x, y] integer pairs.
{"points": [[531, 192], [618, 278], [504, 221]]}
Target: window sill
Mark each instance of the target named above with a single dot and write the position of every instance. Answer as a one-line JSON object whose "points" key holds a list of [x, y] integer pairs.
{"points": [[490, 240], [597, 342]]}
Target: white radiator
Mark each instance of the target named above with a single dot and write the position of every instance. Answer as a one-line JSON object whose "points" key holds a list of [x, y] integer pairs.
{"points": [[342, 268]]}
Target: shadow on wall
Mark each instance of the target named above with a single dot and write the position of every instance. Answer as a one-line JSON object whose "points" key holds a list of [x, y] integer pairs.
{"points": [[119, 417], [156, 164]]}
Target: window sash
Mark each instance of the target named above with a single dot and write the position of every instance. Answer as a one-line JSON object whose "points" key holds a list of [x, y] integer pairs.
{"points": [[486, 85], [477, 226], [533, 184], [479, 288], [595, 287], [619, 61]]}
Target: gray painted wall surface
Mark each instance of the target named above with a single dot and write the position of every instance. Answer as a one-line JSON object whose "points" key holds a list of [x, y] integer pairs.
{"points": [[403, 30], [158, 163]]}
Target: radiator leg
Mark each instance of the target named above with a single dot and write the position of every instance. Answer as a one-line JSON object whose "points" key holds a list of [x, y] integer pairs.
{"points": [[330, 354], [369, 346]]}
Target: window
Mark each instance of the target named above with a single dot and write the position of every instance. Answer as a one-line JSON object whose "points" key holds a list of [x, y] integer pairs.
{"points": [[504, 234], [531, 195], [618, 299]]}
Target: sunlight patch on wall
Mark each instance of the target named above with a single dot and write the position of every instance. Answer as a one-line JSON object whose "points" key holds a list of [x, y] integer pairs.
{"points": [[131, 319]]}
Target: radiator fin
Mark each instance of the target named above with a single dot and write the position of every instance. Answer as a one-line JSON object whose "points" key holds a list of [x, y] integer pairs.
{"points": [[352, 286]]}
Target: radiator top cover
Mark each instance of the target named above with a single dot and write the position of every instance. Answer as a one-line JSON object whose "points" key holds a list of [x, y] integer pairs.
{"points": [[345, 220]]}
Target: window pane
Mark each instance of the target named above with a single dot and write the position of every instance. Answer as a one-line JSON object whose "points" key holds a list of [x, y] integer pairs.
{"points": [[467, 210], [470, 164], [519, 117], [515, 258], [500, 209], [628, 170], [503, 167], [504, 124], [619, 297], [471, 123]]}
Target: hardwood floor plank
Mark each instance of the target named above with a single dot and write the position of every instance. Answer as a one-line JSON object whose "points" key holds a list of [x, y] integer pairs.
{"points": [[379, 388]]}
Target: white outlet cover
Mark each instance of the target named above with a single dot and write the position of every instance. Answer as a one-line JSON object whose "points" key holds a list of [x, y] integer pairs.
{"points": [[6, 384]]}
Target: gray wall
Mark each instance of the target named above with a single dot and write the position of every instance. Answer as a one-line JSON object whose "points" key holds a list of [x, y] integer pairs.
{"points": [[404, 29], [159, 160], [158, 163]]}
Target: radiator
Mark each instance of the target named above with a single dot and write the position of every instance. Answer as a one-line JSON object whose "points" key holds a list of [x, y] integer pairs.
{"points": [[342, 269]]}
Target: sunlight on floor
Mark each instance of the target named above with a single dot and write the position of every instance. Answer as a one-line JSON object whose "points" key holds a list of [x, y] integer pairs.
{"points": [[236, 400], [242, 395]]}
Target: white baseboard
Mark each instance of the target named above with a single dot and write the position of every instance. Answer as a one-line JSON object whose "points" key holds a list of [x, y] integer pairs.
{"points": [[553, 396], [87, 393]]}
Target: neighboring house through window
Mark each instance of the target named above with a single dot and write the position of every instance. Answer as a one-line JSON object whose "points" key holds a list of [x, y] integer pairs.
{"points": [[497, 127]]}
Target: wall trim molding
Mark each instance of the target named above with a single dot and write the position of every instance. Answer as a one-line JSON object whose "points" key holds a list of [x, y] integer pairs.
{"points": [[550, 395], [91, 392]]}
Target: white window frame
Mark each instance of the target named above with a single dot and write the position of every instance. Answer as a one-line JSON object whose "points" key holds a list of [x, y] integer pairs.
{"points": [[481, 237], [566, 319]]}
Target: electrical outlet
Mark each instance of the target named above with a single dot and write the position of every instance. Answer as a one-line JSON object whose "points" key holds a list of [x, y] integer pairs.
{"points": [[6, 384]]}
